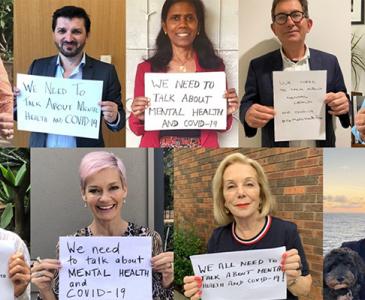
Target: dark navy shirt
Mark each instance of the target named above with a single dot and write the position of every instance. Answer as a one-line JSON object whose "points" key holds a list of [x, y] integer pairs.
{"points": [[275, 233]]}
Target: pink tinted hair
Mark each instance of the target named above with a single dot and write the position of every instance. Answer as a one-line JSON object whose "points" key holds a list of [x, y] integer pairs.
{"points": [[94, 162]]}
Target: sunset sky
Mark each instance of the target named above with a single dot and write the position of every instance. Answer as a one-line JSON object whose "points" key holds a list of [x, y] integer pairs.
{"points": [[344, 180]]}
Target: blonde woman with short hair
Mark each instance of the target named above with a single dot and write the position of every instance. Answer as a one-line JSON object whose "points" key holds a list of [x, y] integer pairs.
{"points": [[243, 205]]}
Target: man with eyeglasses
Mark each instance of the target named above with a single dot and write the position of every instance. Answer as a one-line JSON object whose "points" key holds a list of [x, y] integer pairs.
{"points": [[290, 24]]}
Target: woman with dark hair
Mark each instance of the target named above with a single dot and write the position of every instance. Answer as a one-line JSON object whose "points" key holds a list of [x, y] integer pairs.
{"points": [[182, 46]]}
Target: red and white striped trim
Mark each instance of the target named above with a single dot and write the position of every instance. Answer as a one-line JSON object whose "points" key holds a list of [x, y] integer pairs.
{"points": [[257, 238]]}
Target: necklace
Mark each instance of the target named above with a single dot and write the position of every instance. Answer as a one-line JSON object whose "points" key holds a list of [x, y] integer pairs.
{"points": [[182, 68], [182, 64]]}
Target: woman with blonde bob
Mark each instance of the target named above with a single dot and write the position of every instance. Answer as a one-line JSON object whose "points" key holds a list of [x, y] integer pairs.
{"points": [[243, 205], [103, 183]]}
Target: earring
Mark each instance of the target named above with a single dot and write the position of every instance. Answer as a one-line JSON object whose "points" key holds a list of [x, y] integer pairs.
{"points": [[124, 200], [226, 211], [165, 33], [85, 204], [198, 33]]}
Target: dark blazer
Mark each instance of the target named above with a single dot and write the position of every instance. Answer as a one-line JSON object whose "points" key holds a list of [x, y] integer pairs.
{"points": [[259, 89], [93, 70]]}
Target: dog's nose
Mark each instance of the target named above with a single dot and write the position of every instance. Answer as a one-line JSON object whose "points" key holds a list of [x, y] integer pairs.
{"points": [[340, 278]]}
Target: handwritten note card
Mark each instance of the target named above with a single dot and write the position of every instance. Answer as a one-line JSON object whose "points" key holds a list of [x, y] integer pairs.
{"points": [[7, 249], [186, 101], [299, 105], [59, 106], [105, 268], [254, 275]]}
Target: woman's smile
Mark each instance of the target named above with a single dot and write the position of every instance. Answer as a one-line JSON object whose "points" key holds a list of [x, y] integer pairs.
{"points": [[106, 208], [183, 34], [104, 194], [242, 205]]}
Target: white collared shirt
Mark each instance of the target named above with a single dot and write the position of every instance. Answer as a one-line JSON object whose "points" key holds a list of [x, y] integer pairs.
{"points": [[57, 140], [300, 65]]}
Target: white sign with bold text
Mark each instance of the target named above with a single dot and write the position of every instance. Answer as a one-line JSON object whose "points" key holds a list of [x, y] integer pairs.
{"points": [[186, 101], [105, 268], [59, 106], [239, 275]]}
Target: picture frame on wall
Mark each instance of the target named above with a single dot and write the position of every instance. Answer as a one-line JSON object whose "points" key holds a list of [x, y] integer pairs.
{"points": [[357, 11]]}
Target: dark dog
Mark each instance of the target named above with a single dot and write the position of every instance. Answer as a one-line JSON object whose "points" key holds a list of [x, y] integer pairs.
{"points": [[343, 275]]}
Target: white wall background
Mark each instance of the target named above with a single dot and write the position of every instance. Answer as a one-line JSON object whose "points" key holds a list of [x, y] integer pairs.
{"points": [[331, 32], [222, 28]]}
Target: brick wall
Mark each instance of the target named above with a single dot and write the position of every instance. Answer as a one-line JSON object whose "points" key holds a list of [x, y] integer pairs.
{"points": [[295, 177]]}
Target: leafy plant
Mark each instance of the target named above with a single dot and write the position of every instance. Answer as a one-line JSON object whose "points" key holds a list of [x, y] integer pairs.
{"points": [[168, 159], [168, 243], [15, 189], [357, 59], [6, 29], [186, 243]]}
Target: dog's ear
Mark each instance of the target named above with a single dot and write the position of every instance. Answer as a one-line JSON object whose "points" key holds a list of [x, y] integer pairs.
{"points": [[332, 259], [360, 265], [362, 271], [328, 261]]}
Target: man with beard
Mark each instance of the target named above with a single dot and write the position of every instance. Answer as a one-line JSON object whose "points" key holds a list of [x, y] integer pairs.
{"points": [[71, 29]]}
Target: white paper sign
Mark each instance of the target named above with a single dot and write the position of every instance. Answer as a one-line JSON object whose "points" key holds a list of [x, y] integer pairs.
{"points": [[59, 106], [7, 249], [241, 275], [299, 105], [105, 268], [186, 101]]}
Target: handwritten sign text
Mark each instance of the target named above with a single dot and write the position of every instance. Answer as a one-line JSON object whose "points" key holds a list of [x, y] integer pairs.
{"points": [[59, 106], [105, 268], [254, 275], [185, 101], [299, 105]]}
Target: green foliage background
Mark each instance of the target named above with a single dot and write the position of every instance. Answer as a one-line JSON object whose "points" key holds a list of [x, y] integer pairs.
{"points": [[15, 190], [186, 243], [6, 30]]}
